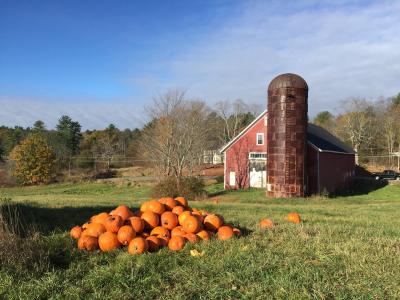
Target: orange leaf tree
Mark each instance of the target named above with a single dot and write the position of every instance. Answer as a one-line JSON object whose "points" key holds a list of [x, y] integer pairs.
{"points": [[34, 160]]}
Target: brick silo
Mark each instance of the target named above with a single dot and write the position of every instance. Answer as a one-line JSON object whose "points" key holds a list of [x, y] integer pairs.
{"points": [[286, 136]]}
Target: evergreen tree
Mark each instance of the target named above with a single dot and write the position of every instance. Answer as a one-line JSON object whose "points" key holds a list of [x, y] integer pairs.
{"points": [[70, 134]]}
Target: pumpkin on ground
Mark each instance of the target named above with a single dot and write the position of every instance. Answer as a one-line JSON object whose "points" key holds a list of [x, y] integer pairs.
{"points": [[123, 211], [169, 203], [113, 223], [192, 238], [181, 201], [161, 232], [225, 233], [192, 224], [169, 220], [126, 234], [294, 217], [153, 243], [76, 232], [178, 210], [182, 217], [108, 241], [204, 235], [155, 207], [137, 224], [100, 218], [176, 243], [213, 222], [138, 246], [88, 243], [95, 229], [266, 223], [178, 231], [150, 219]]}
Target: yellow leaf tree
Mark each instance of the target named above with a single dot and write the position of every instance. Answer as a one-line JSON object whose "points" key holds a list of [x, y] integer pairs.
{"points": [[34, 160]]}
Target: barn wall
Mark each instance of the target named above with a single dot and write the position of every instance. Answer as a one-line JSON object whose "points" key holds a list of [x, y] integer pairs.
{"points": [[336, 171], [237, 155], [312, 170]]}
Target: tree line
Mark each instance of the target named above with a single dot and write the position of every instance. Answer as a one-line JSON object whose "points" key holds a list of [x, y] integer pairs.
{"points": [[178, 131]]}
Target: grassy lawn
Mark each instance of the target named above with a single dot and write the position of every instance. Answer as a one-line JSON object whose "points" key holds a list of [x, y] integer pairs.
{"points": [[347, 247]]}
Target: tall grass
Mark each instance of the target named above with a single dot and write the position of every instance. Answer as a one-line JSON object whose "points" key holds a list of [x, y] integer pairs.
{"points": [[21, 249]]}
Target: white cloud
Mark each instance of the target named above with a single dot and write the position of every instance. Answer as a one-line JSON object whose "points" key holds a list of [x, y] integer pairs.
{"points": [[90, 114], [341, 50]]}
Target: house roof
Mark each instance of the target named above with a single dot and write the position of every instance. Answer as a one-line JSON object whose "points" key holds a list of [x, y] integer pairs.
{"points": [[231, 142], [317, 137]]}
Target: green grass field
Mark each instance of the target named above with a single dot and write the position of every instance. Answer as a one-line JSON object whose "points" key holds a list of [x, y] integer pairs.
{"points": [[346, 248]]}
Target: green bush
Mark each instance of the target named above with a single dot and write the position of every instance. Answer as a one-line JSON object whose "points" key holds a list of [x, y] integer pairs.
{"points": [[191, 188]]}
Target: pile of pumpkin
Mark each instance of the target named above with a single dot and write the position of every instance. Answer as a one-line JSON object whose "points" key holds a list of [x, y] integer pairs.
{"points": [[166, 222]]}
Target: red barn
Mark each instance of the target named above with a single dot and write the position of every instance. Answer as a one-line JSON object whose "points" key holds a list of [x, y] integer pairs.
{"points": [[330, 164]]}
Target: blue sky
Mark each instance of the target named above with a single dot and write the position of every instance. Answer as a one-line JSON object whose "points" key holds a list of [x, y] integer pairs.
{"points": [[102, 61]]}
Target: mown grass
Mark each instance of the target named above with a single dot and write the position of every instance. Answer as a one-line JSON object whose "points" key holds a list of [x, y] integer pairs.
{"points": [[347, 247]]}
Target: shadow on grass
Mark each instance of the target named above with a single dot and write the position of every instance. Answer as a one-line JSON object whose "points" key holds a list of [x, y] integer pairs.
{"points": [[46, 220], [361, 186]]}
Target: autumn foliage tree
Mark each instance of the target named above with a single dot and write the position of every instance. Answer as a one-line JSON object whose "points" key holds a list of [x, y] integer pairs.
{"points": [[34, 160]]}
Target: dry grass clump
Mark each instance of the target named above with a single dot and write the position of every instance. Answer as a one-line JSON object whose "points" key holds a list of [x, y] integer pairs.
{"points": [[20, 249]]}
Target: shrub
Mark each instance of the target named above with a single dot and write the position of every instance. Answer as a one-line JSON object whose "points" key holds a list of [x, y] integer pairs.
{"points": [[34, 161], [191, 188], [220, 179]]}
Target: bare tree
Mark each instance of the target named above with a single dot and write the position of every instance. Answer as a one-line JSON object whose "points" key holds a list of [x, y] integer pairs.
{"points": [[234, 116], [357, 124], [177, 134]]}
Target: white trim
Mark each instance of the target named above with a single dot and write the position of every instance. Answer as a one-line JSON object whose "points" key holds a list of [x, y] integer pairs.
{"points": [[224, 148], [263, 139], [259, 158], [224, 172]]}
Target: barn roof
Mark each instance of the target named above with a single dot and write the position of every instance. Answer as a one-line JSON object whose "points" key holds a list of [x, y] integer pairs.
{"points": [[324, 141], [317, 137]]}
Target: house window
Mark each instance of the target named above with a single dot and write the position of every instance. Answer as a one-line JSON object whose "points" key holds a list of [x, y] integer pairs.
{"points": [[258, 155], [260, 138], [232, 179]]}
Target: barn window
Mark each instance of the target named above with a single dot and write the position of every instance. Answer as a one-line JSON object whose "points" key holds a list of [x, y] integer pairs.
{"points": [[260, 138]]}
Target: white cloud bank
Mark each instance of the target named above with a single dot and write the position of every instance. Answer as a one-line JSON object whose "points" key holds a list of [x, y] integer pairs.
{"points": [[342, 50]]}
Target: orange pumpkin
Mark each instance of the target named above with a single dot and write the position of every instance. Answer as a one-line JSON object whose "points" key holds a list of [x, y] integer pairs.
{"points": [[137, 224], [84, 226], [145, 234], [126, 234], [123, 211], [213, 222], [178, 231], [176, 243], [192, 225], [163, 241], [225, 233], [169, 220], [170, 203], [178, 210], [144, 206], [237, 231], [100, 218], [266, 223], [294, 217], [192, 238], [182, 217], [108, 241], [113, 223], [95, 229], [204, 235], [138, 246], [155, 207], [76, 232], [199, 217], [161, 232], [181, 201], [88, 242], [153, 243], [150, 219]]}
